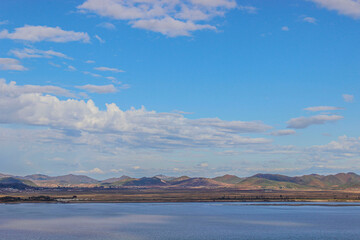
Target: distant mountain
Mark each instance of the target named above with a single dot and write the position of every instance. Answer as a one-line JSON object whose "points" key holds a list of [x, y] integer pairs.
{"points": [[75, 179], [69, 180], [37, 177], [113, 180], [338, 181], [265, 183], [165, 178], [198, 182], [178, 179], [4, 175], [350, 181], [146, 181], [15, 183], [230, 179]]}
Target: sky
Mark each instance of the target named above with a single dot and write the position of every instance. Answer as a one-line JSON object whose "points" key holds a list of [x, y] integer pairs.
{"points": [[107, 88]]}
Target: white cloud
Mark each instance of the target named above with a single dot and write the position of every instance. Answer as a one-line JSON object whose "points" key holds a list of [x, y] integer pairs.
{"points": [[98, 89], [345, 147], [92, 74], [13, 90], [11, 64], [204, 165], [304, 122], [285, 28], [249, 9], [323, 108], [99, 39], [36, 53], [131, 128], [171, 18], [309, 20], [283, 132], [44, 33], [116, 170], [170, 26], [348, 97], [346, 7], [111, 78], [90, 61], [107, 25], [95, 171], [55, 65], [104, 69], [71, 68]]}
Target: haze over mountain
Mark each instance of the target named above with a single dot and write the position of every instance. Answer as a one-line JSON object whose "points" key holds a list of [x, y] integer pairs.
{"points": [[339, 181]]}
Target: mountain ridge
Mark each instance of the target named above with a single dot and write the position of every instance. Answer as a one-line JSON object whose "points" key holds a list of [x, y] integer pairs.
{"points": [[338, 181]]}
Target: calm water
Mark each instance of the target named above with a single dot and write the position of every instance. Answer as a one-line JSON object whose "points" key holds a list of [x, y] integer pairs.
{"points": [[177, 221]]}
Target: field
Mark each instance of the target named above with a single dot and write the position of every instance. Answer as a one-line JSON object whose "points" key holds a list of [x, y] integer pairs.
{"points": [[176, 195]]}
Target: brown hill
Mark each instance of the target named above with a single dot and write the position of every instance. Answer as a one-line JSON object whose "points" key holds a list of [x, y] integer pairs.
{"points": [[230, 179], [199, 182], [146, 182]]}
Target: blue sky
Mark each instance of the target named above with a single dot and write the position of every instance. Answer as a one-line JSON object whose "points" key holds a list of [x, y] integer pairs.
{"points": [[197, 87]]}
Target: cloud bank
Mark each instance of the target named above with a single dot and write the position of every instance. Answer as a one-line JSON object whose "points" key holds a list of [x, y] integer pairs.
{"points": [[131, 128]]}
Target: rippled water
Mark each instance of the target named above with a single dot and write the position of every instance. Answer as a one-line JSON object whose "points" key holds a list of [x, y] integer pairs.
{"points": [[177, 221]]}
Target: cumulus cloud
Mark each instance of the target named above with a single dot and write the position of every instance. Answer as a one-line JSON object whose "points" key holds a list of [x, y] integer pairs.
{"points": [[36, 53], [11, 64], [134, 127], [323, 108], [107, 69], [98, 88], [283, 132], [304, 122], [44, 33], [346, 7], [171, 18], [348, 97]]}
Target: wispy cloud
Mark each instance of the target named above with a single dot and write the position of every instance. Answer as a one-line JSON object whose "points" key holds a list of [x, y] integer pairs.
{"points": [[36, 53], [348, 98], [310, 20], [283, 132], [323, 108], [106, 25], [44, 33], [99, 39], [98, 88], [11, 64], [107, 69], [304, 122]]}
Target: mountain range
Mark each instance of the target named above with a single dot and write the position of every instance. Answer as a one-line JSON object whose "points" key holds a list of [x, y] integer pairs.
{"points": [[340, 181]]}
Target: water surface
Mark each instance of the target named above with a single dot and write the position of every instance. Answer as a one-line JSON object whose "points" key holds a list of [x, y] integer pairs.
{"points": [[177, 221]]}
